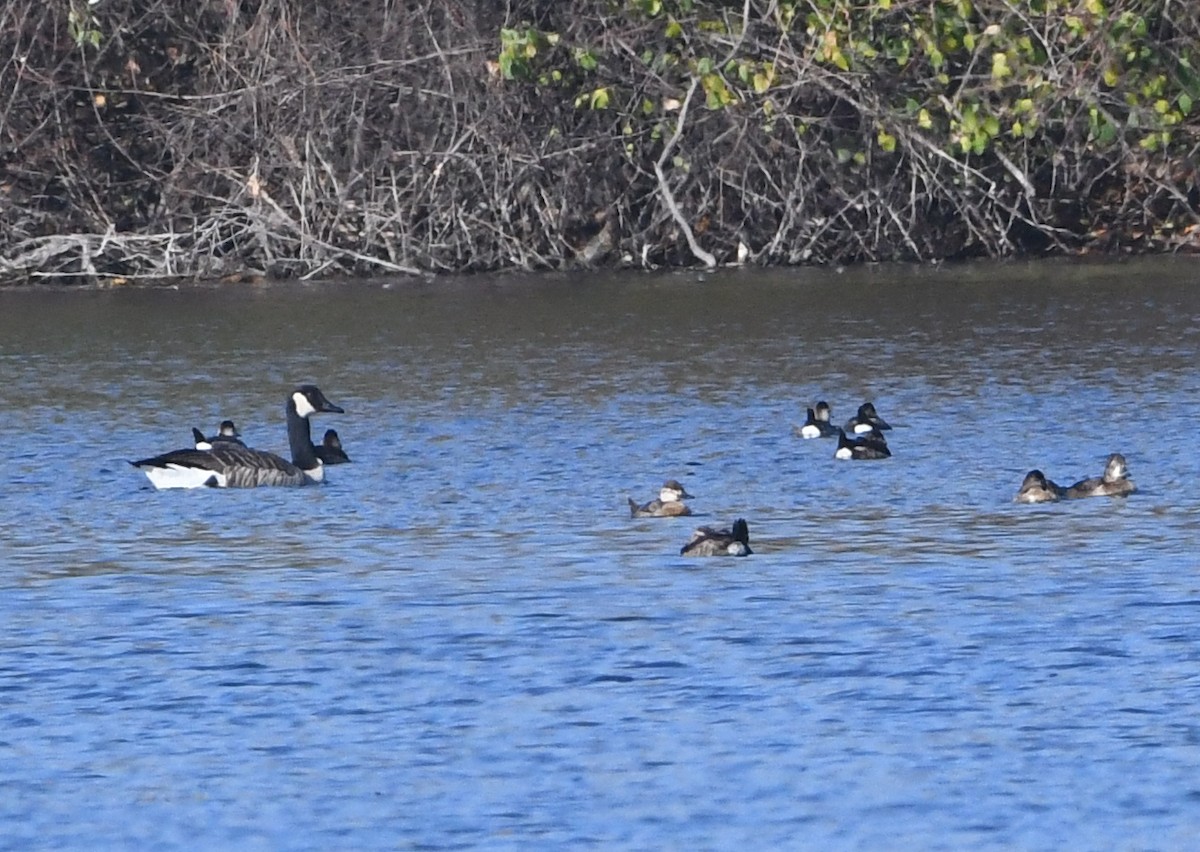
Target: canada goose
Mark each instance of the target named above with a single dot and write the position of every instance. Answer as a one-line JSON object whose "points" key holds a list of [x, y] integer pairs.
{"points": [[229, 465]]}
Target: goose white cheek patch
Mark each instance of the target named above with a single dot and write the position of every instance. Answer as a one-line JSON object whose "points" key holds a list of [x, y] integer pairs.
{"points": [[303, 406]]}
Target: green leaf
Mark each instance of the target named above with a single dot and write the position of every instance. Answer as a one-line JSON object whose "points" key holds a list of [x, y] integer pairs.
{"points": [[586, 60], [1000, 68]]}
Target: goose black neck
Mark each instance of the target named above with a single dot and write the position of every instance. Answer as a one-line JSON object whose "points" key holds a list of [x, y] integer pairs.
{"points": [[304, 455]]}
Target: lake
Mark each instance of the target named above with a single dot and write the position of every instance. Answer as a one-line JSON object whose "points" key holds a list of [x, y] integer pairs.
{"points": [[462, 640]]}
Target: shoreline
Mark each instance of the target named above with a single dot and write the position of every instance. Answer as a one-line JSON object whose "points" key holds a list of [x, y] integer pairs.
{"points": [[1104, 267]]}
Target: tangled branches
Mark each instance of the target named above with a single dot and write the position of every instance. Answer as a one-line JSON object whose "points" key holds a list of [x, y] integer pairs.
{"points": [[163, 138]]}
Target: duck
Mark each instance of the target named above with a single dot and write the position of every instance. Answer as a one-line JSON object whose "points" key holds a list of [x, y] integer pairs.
{"points": [[866, 420], [668, 505], [817, 425], [1115, 481], [226, 432], [1036, 488], [230, 465], [330, 450], [870, 445], [706, 541]]}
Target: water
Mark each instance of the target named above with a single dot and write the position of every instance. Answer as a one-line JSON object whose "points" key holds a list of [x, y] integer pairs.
{"points": [[463, 641]]}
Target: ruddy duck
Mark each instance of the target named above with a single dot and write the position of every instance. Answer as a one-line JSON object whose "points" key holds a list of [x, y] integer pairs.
{"points": [[1114, 483], [706, 541], [871, 445], [817, 425], [330, 451], [226, 433], [1036, 488], [668, 505], [866, 420]]}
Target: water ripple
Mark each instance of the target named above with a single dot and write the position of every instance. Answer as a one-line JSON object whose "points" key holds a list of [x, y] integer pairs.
{"points": [[462, 640]]}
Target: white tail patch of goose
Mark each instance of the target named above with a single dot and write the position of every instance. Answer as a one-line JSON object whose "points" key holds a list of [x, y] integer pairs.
{"points": [[181, 476]]}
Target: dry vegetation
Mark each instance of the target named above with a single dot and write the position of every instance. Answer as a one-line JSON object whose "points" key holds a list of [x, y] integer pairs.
{"points": [[173, 138]]}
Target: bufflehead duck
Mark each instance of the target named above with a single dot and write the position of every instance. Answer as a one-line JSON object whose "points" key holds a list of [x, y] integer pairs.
{"points": [[668, 505], [229, 465], [706, 541], [330, 451], [226, 432], [871, 445], [1114, 483], [1036, 488], [866, 420], [817, 425]]}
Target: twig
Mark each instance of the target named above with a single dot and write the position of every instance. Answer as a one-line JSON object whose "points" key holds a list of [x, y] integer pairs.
{"points": [[665, 190]]}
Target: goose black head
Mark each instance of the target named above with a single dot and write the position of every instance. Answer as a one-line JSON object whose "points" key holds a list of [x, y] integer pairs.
{"points": [[308, 399]]}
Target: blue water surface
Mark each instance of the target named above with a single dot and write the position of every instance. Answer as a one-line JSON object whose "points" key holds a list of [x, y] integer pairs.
{"points": [[462, 640]]}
